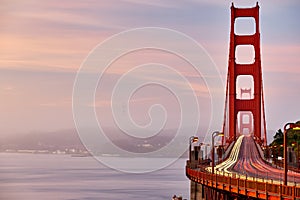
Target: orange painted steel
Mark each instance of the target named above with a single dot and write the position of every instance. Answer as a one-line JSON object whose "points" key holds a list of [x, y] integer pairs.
{"points": [[249, 188], [253, 69]]}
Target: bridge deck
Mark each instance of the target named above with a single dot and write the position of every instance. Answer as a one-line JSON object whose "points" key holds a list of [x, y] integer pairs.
{"points": [[246, 173], [246, 160]]}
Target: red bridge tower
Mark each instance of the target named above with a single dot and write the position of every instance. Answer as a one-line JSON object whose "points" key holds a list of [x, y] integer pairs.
{"points": [[254, 104]]}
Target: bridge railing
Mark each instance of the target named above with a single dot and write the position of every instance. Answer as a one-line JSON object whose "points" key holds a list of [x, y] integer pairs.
{"points": [[252, 188]]}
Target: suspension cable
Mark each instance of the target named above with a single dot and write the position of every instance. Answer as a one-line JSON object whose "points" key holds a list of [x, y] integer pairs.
{"points": [[225, 108], [263, 107]]}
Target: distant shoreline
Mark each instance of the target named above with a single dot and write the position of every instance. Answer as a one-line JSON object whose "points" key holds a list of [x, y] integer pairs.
{"points": [[57, 152], [83, 154]]}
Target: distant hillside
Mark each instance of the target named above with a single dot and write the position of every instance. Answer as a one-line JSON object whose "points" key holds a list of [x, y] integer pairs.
{"points": [[60, 140], [69, 139]]}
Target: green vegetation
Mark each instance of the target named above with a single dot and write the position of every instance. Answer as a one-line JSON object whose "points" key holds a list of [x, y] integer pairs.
{"points": [[293, 140]]}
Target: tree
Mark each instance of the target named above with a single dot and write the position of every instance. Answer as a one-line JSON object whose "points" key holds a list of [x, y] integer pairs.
{"points": [[277, 144], [278, 138]]}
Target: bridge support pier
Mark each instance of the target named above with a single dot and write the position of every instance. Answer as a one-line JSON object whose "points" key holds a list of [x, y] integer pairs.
{"points": [[211, 193], [197, 191]]}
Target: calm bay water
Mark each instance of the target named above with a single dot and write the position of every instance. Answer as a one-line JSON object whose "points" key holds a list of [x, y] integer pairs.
{"points": [[62, 177]]}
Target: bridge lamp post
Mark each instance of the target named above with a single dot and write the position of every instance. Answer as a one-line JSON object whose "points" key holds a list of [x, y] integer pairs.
{"points": [[206, 145], [191, 141], [204, 156], [214, 134], [205, 150], [292, 126]]}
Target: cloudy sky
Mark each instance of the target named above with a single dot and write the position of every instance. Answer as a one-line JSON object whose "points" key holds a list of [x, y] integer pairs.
{"points": [[44, 42]]}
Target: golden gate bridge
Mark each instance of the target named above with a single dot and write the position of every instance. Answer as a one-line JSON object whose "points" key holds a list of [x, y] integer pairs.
{"points": [[243, 173]]}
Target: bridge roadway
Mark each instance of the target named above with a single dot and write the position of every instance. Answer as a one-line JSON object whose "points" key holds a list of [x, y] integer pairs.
{"points": [[245, 174], [246, 160]]}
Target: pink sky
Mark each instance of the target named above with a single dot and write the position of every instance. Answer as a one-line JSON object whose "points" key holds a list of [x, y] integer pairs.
{"points": [[43, 44]]}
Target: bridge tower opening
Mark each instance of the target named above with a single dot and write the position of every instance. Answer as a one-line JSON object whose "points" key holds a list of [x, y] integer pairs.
{"points": [[239, 106], [246, 117]]}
